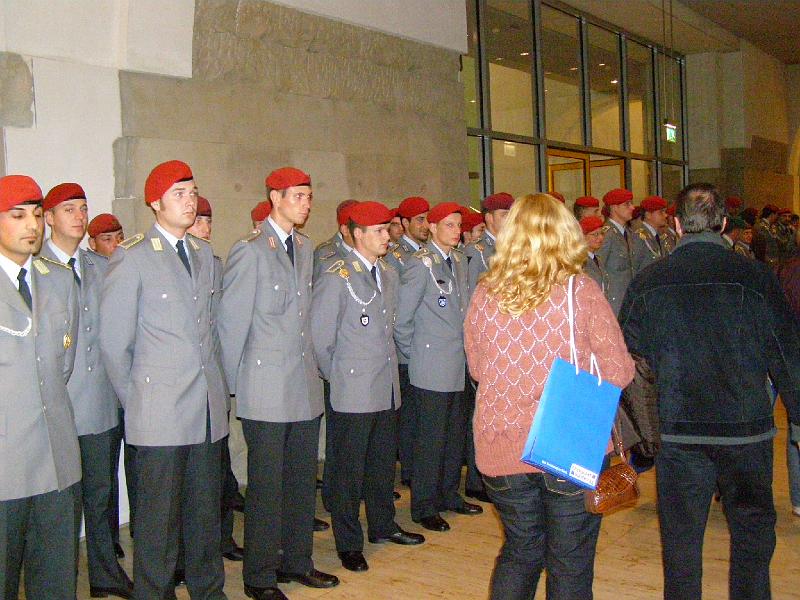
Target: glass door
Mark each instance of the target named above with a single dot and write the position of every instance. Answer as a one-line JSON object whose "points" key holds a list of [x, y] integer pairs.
{"points": [[576, 174]]}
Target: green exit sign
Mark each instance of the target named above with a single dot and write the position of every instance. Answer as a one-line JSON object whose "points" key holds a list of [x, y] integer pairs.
{"points": [[671, 132]]}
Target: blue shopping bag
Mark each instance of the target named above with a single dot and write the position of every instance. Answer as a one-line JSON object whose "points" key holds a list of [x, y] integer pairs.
{"points": [[572, 425]]}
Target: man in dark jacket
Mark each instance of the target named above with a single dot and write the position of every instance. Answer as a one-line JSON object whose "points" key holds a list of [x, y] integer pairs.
{"points": [[713, 326]]}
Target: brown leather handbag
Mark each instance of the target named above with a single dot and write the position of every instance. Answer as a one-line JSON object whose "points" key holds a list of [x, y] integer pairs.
{"points": [[616, 487]]}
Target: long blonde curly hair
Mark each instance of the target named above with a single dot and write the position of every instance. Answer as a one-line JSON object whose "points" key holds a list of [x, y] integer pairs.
{"points": [[540, 245]]}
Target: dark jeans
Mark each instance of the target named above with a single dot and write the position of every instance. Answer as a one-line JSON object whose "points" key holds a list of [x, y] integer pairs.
{"points": [[686, 477], [546, 527]]}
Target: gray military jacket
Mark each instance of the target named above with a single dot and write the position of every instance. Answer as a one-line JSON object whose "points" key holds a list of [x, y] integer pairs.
{"points": [[329, 252], [618, 258], [157, 341], [38, 442], [93, 399], [352, 326], [648, 248], [596, 272], [478, 255], [430, 319], [265, 331]]}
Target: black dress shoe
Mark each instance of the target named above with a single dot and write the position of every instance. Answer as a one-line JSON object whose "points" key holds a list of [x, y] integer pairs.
{"points": [[434, 523], [468, 508], [270, 593], [320, 525], [237, 502], [311, 578], [396, 495], [119, 551], [105, 592], [353, 561], [179, 578], [404, 538], [235, 553], [479, 495]]}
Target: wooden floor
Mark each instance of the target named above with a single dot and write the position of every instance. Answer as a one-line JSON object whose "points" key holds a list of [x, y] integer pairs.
{"points": [[458, 564]]}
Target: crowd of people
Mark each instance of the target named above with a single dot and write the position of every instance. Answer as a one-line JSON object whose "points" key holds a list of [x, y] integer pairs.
{"points": [[422, 334]]}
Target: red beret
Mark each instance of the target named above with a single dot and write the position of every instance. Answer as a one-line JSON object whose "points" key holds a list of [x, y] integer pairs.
{"points": [[18, 189], [163, 177], [471, 220], [103, 223], [498, 201], [589, 224], [652, 203], [733, 202], [287, 177], [558, 196], [671, 209], [395, 212], [413, 206], [617, 196], [61, 193], [261, 211], [784, 211], [444, 209], [203, 207], [343, 211], [772, 207], [369, 213], [587, 201]]}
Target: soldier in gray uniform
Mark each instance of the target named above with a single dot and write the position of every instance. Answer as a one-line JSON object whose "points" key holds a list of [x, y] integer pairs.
{"points": [[39, 454], [353, 313], [264, 326], [429, 333], [594, 232], [620, 246], [339, 245], [93, 399], [231, 498], [159, 348], [765, 237], [494, 209], [648, 230], [412, 212]]}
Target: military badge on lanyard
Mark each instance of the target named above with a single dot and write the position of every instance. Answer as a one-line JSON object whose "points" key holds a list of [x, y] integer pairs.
{"points": [[67, 341], [442, 301], [364, 320]]}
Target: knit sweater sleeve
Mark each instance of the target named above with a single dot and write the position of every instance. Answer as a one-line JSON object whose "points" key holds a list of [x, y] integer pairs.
{"points": [[605, 336]]}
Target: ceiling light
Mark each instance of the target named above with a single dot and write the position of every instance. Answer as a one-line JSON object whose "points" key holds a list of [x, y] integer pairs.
{"points": [[602, 65], [473, 101], [614, 81], [573, 68], [499, 58], [524, 53]]}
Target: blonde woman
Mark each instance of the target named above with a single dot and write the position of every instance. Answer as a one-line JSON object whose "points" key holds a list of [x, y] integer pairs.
{"points": [[516, 326]]}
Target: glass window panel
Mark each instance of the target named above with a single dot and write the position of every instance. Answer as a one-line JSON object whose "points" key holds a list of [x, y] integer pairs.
{"points": [[475, 171], [671, 181], [469, 69], [642, 179], [604, 87], [514, 168], [669, 77], [562, 76], [567, 173], [640, 98], [605, 174], [509, 50]]}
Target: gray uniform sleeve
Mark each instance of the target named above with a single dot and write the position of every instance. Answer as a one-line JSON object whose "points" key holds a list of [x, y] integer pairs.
{"points": [[326, 307], [119, 308], [235, 310], [412, 290]]}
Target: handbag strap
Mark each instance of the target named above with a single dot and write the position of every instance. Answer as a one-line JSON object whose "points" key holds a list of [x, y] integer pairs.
{"points": [[594, 368], [616, 440]]}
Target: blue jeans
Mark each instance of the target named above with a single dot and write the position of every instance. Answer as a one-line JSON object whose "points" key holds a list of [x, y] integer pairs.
{"points": [[546, 527]]}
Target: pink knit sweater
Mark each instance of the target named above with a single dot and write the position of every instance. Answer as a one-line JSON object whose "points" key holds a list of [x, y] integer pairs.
{"points": [[511, 358]]}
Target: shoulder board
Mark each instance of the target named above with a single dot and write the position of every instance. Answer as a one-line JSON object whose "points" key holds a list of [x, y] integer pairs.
{"points": [[301, 235], [383, 264], [393, 246], [334, 268], [643, 234], [398, 256], [323, 244], [479, 246], [131, 241], [327, 255], [199, 239], [422, 252], [251, 236], [39, 265], [52, 262]]}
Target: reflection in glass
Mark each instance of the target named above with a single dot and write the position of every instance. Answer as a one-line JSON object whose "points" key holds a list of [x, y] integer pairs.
{"points": [[562, 77], [475, 171], [509, 49], [642, 179], [606, 173], [604, 86], [567, 173], [469, 69], [640, 98], [669, 77], [514, 168], [671, 181]]}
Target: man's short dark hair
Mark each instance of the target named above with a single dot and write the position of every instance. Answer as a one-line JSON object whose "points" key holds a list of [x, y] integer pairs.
{"points": [[352, 226], [700, 207]]}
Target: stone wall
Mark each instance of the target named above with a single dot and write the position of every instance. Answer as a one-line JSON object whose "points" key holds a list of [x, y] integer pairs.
{"points": [[368, 115]]}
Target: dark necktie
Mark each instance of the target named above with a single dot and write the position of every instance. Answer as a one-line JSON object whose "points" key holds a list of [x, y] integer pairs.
{"points": [[290, 249], [658, 241], [184, 258], [449, 262], [374, 272], [24, 290], [71, 263], [597, 262], [625, 235]]}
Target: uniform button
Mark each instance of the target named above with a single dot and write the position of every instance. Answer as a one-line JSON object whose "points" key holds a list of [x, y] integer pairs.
{"points": [[198, 321], [202, 367], [258, 362], [352, 371], [147, 380], [38, 359], [89, 349], [384, 311], [41, 382], [89, 369], [89, 328], [195, 298], [299, 293], [44, 409], [277, 287], [85, 308], [302, 333], [427, 345], [302, 354], [301, 313]]}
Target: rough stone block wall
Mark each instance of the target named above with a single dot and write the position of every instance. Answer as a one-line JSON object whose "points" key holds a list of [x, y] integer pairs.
{"points": [[368, 115]]}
